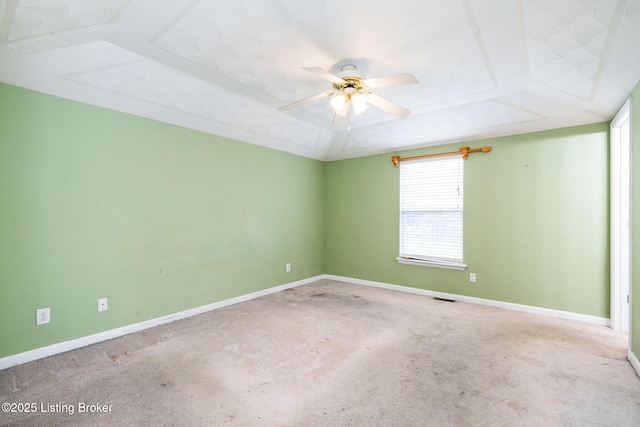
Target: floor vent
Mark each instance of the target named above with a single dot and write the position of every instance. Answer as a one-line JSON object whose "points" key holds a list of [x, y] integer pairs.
{"points": [[444, 299]]}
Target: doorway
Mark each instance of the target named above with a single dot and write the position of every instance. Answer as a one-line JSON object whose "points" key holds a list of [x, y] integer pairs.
{"points": [[620, 147]]}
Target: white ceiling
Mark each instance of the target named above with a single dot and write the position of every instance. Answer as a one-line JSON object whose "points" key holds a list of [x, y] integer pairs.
{"points": [[486, 67]]}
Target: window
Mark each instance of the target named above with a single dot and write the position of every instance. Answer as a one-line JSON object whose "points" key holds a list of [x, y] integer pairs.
{"points": [[431, 212]]}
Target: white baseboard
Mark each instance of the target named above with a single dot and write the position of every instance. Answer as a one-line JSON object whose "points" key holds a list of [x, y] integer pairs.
{"points": [[634, 362], [473, 300], [40, 353]]}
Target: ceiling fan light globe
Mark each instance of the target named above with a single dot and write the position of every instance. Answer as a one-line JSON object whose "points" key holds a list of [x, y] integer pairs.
{"points": [[337, 103], [359, 102]]}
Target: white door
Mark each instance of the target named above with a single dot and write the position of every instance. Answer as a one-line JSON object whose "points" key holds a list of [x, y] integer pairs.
{"points": [[620, 218]]}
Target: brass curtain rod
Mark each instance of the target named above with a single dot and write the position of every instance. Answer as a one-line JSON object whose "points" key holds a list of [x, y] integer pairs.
{"points": [[464, 151]]}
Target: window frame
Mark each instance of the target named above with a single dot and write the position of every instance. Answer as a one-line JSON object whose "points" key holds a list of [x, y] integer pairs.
{"points": [[427, 260]]}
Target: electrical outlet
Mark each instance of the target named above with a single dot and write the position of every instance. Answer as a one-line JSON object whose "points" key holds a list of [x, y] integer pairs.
{"points": [[103, 304], [288, 267], [472, 277], [43, 316]]}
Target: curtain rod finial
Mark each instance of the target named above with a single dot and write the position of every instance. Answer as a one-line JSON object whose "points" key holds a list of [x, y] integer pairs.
{"points": [[395, 160]]}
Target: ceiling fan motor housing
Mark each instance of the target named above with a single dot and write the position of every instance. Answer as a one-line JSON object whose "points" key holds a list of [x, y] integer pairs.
{"points": [[350, 85], [353, 79]]}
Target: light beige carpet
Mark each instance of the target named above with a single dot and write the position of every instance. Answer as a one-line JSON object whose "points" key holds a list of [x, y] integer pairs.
{"points": [[336, 354]]}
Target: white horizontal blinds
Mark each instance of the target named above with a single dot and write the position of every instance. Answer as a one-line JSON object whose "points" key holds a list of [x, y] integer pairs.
{"points": [[431, 207]]}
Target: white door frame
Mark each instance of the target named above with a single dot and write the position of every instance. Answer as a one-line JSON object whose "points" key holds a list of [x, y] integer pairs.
{"points": [[620, 150]]}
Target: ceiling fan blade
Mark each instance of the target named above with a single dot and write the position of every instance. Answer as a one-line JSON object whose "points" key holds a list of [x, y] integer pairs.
{"points": [[395, 80], [305, 100], [325, 74], [388, 106]]}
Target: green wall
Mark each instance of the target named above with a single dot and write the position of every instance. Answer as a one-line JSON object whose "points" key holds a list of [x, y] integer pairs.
{"points": [[635, 221], [536, 221], [157, 218]]}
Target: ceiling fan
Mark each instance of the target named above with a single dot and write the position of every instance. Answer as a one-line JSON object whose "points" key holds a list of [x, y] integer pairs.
{"points": [[351, 91]]}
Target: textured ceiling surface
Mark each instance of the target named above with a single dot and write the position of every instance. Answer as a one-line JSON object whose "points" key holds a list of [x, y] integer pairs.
{"points": [[485, 67]]}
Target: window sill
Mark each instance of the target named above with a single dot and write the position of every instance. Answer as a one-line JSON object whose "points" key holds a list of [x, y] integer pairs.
{"points": [[451, 265]]}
